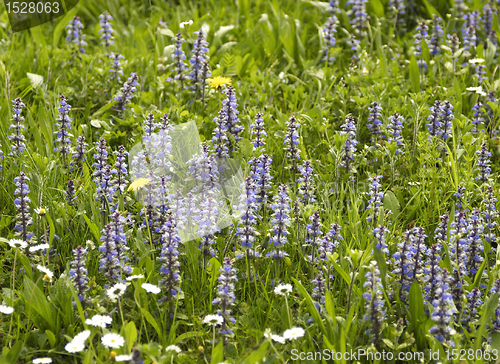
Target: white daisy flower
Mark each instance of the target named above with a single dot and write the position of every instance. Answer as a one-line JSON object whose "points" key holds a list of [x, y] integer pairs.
{"points": [[38, 247], [213, 320], [114, 341], [42, 361], [123, 357], [476, 60], [82, 336], [6, 310], [99, 321], [184, 23], [294, 333], [151, 288], [277, 338], [42, 211], [74, 347], [45, 270], [283, 289], [117, 291], [138, 276], [173, 348], [18, 243]]}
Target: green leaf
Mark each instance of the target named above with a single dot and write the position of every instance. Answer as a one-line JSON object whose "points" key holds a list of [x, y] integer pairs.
{"points": [[416, 303], [152, 322], [61, 26], [256, 356], [431, 10], [218, 354], [93, 228], [487, 312], [414, 75], [13, 354], [51, 337], [345, 276], [313, 311], [391, 203], [36, 303], [130, 334], [103, 109], [377, 7], [188, 335]]}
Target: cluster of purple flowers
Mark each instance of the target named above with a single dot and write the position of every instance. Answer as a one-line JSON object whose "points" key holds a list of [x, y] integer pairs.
{"points": [[17, 137], [75, 35], [225, 294]]}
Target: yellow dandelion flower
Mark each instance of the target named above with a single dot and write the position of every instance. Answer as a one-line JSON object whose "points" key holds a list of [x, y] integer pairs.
{"points": [[138, 184], [219, 81]]}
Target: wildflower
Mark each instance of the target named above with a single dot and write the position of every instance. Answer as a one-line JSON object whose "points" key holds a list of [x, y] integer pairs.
{"points": [[218, 82], [294, 333], [99, 321], [213, 320], [120, 358], [314, 233], [458, 242], [446, 125], [277, 338], [480, 71], [376, 197], [70, 192], [42, 360], [120, 169], [280, 222], [374, 121], [329, 242], [64, 124], [17, 138], [421, 36], [380, 233], [220, 140], [178, 58], [353, 44], [399, 10], [151, 288], [395, 130], [319, 289], [258, 132], [116, 68], [261, 173], [116, 291], [78, 273], [306, 183], [205, 75], [184, 23], [470, 40], [435, 125], [329, 30], [443, 309], [402, 262], [106, 30], [437, 33], [490, 212], [126, 92], [6, 310], [137, 184], [475, 249], [230, 117], [246, 225], [417, 250], [374, 301], [441, 232], [225, 294], [359, 16], [138, 276], [198, 57], [292, 141], [74, 347], [432, 271], [170, 259], [469, 315], [82, 336], [496, 321], [75, 35], [1, 158], [109, 263], [48, 273], [39, 247], [349, 149], [80, 156], [283, 289], [483, 163], [22, 201], [112, 340], [453, 43], [173, 348], [488, 21]]}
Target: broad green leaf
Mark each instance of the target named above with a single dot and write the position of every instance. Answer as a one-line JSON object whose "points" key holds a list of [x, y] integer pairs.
{"points": [[257, 355], [391, 203], [313, 311], [218, 354], [130, 334], [51, 337], [487, 312], [416, 303], [414, 75], [152, 322], [188, 335]]}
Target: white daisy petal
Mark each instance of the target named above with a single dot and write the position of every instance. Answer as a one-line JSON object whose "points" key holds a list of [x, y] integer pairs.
{"points": [[112, 340]]}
